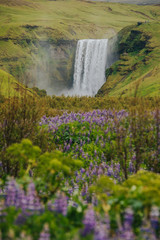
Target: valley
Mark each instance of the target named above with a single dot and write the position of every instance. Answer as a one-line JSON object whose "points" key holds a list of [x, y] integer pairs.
{"points": [[38, 39]]}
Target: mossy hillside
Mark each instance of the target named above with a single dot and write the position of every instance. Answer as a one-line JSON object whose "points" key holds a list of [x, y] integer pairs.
{"points": [[26, 25], [138, 70], [71, 19], [10, 87], [139, 2]]}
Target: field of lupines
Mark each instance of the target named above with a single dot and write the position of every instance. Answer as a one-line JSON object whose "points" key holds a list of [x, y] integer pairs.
{"points": [[101, 181]]}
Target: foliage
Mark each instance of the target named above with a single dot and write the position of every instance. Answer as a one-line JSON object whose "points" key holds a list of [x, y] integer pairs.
{"points": [[130, 139], [136, 73], [78, 167], [40, 92], [57, 196], [18, 120], [26, 159], [57, 167], [85, 104], [139, 194], [139, 190], [23, 157], [10, 87]]}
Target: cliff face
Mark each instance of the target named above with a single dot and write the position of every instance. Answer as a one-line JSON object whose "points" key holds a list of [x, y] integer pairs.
{"points": [[53, 66], [36, 59], [137, 72]]}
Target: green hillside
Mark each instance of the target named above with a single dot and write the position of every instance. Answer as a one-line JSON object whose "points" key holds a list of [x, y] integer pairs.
{"points": [[10, 87], [139, 2], [69, 19], [26, 26], [137, 73]]}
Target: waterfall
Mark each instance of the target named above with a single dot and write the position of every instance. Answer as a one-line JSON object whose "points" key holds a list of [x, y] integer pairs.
{"points": [[93, 57], [90, 65]]}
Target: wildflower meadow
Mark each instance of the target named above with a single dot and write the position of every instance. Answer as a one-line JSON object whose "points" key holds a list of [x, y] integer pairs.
{"points": [[97, 177]]}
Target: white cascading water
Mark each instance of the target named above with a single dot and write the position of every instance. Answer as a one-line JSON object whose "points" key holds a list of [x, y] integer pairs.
{"points": [[90, 65], [93, 57]]}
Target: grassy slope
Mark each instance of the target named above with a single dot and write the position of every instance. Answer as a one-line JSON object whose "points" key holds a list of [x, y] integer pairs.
{"points": [[140, 2], [9, 86], [65, 20], [137, 73], [70, 19], [24, 23]]}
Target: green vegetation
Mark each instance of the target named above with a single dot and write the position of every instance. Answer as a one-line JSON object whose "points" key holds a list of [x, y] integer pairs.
{"points": [[79, 167], [137, 73], [29, 31], [78, 175], [10, 87]]}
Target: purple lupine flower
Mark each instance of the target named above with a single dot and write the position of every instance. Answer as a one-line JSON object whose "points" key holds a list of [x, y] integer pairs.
{"points": [[147, 232], [95, 152], [110, 172], [68, 147], [128, 218], [94, 200], [89, 221], [81, 142], [154, 218], [126, 234], [84, 190], [82, 170], [106, 131], [77, 148], [100, 171], [100, 232], [87, 173], [70, 191], [33, 202], [61, 203], [22, 217], [134, 158], [131, 167], [11, 193], [91, 164], [97, 139], [21, 201], [45, 234], [103, 156], [94, 171], [118, 167], [116, 171], [81, 150]]}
